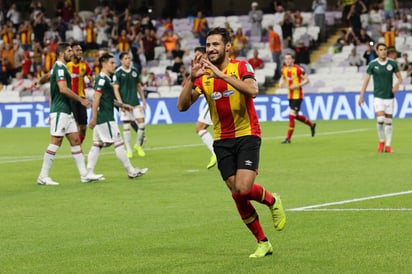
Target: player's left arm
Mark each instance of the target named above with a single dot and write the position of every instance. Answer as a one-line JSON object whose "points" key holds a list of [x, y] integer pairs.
{"points": [[141, 94], [398, 82], [95, 107]]}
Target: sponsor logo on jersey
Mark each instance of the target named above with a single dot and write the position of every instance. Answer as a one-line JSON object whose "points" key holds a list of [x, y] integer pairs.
{"points": [[216, 95], [227, 93]]}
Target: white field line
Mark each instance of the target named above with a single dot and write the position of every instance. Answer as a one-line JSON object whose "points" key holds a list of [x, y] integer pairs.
{"points": [[316, 207], [358, 209], [19, 159]]}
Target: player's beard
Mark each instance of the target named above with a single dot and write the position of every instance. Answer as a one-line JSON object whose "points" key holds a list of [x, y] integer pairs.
{"points": [[67, 59], [219, 59]]}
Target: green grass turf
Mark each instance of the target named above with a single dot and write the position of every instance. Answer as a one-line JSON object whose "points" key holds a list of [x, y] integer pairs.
{"points": [[180, 217]]}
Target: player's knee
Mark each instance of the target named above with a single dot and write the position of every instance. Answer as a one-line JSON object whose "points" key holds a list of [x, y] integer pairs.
{"points": [[380, 119], [141, 126], [388, 121], [126, 126]]}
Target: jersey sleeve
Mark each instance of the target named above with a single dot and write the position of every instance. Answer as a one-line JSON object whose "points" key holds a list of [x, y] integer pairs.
{"points": [[369, 69], [246, 70], [197, 85], [115, 78], [99, 85], [60, 73]]}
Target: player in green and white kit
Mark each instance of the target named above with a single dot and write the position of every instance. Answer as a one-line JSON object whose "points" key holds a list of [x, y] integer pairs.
{"points": [[126, 86], [382, 69], [105, 129], [62, 121]]}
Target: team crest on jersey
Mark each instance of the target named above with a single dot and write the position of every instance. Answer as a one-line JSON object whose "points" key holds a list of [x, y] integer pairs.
{"points": [[216, 95], [227, 93], [389, 67], [134, 74], [207, 83]]}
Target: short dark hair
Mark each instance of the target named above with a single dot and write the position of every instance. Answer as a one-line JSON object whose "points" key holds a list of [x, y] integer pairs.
{"points": [[123, 54], [201, 49], [61, 47], [104, 58], [381, 44], [76, 43], [227, 38]]}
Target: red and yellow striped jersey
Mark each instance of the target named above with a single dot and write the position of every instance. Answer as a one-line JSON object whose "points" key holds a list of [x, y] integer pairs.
{"points": [[25, 37], [233, 114], [389, 38], [293, 76], [197, 23], [78, 72], [90, 35], [8, 36], [49, 59], [123, 43]]}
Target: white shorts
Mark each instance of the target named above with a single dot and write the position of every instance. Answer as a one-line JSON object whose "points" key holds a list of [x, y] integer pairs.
{"points": [[204, 116], [385, 105], [62, 123], [107, 133], [137, 113]]}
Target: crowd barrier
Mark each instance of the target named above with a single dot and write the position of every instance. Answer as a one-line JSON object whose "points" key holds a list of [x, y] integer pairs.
{"points": [[333, 106]]}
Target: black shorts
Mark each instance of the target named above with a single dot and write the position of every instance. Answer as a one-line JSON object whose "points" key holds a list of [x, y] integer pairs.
{"points": [[237, 153], [79, 112], [295, 104]]}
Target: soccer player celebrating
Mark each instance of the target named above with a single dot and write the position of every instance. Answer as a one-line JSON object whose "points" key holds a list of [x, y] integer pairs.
{"points": [[382, 69], [126, 86], [229, 87], [295, 77], [79, 69], [62, 122], [105, 129]]}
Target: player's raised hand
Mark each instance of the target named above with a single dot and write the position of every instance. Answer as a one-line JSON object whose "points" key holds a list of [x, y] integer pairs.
{"points": [[198, 69], [216, 72]]}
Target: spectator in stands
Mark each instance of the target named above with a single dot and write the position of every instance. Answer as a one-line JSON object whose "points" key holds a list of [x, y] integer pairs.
{"points": [[255, 61], [168, 24], [354, 58], [275, 47], [346, 6], [49, 57], [77, 30], [406, 65], [177, 56], [369, 54], [39, 71], [287, 30], [255, 18], [354, 16], [364, 38], [8, 58], [21, 85], [319, 13], [239, 44], [204, 29], [4, 72], [389, 8], [37, 54], [151, 85], [115, 29], [297, 18], [197, 22], [25, 31], [14, 16], [166, 80], [389, 34], [375, 22], [229, 28], [123, 41], [39, 27], [90, 37], [61, 27], [102, 29], [26, 64], [148, 44], [36, 7], [182, 75], [7, 32], [302, 55], [279, 14], [169, 41]]}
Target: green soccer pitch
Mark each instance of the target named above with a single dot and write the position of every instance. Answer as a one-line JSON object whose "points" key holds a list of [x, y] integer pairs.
{"points": [[349, 209]]}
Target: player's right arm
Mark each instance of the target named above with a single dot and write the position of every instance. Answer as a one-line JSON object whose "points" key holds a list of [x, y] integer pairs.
{"points": [[70, 94], [95, 107], [364, 86]]}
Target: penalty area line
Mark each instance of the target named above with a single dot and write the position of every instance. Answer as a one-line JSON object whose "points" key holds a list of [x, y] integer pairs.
{"points": [[357, 209], [312, 207]]}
